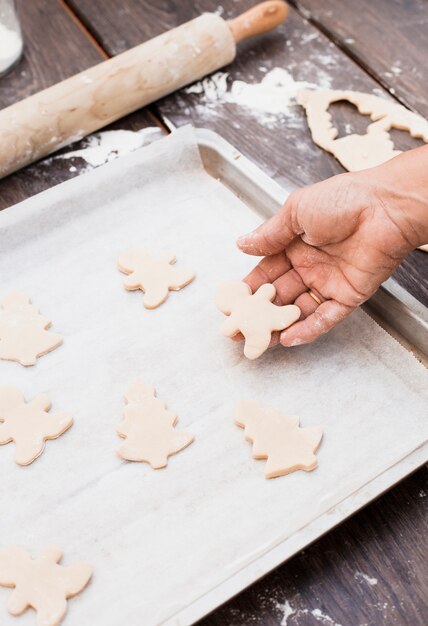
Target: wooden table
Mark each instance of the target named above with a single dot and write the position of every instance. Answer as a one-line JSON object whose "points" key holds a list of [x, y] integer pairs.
{"points": [[372, 569]]}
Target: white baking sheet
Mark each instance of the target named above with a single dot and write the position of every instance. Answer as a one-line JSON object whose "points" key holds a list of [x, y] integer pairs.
{"points": [[158, 540]]}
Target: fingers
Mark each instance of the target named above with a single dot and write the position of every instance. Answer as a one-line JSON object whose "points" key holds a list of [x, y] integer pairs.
{"points": [[289, 287], [273, 342], [272, 236], [324, 318], [277, 269], [268, 271], [307, 304]]}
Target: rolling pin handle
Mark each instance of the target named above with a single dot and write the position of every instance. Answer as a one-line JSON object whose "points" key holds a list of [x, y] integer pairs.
{"points": [[260, 19]]}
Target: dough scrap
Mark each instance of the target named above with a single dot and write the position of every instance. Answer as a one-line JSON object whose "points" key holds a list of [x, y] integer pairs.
{"points": [[23, 334], [154, 276], [41, 583], [29, 425], [149, 428], [253, 315], [357, 152], [278, 438]]}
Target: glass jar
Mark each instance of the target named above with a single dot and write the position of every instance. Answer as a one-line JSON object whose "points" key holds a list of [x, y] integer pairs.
{"points": [[10, 36]]}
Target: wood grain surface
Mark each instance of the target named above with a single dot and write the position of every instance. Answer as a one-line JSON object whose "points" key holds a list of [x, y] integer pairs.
{"points": [[333, 581], [387, 37]]}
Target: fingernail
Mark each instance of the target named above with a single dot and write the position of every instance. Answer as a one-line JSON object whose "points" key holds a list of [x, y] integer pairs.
{"points": [[243, 240]]}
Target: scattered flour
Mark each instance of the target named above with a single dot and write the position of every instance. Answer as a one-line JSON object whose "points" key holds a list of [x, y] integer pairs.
{"points": [[323, 618], [360, 576], [288, 611], [274, 95], [219, 10], [10, 47], [273, 98], [110, 144], [307, 37], [213, 87], [86, 79]]}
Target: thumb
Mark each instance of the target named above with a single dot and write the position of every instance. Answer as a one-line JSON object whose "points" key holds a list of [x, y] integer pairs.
{"points": [[273, 235]]}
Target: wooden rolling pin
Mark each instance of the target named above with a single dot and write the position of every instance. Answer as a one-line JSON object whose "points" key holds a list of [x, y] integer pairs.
{"points": [[84, 103]]}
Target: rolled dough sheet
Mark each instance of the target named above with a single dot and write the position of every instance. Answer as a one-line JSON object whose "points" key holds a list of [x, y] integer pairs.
{"points": [[159, 540]]}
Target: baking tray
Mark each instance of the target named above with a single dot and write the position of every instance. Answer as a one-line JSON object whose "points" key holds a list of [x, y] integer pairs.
{"points": [[407, 316], [393, 303], [98, 508]]}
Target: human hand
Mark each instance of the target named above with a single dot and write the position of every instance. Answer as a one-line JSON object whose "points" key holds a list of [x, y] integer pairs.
{"points": [[339, 240]]}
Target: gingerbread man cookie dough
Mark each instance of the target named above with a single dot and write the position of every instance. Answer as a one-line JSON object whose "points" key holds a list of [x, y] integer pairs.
{"points": [[148, 428], [278, 438], [23, 331], [154, 276], [29, 425], [253, 315], [41, 583]]}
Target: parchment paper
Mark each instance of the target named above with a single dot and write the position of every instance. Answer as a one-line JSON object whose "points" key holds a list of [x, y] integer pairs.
{"points": [[159, 539]]}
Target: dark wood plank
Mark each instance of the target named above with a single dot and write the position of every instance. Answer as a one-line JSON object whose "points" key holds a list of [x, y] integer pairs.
{"points": [[281, 145], [370, 570], [46, 59], [389, 37], [409, 274], [46, 25]]}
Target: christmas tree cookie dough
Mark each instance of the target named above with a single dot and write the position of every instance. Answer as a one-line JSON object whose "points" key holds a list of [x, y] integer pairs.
{"points": [[278, 438], [23, 331], [29, 425], [253, 315], [41, 583], [156, 277], [148, 428]]}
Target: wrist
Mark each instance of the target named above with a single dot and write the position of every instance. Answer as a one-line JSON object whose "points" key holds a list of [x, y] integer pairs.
{"points": [[402, 187]]}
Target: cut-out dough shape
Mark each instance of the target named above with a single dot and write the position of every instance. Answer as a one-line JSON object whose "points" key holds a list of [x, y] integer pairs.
{"points": [[149, 428], [154, 276], [23, 331], [253, 315], [278, 438], [41, 583], [357, 152], [29, 425]]}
